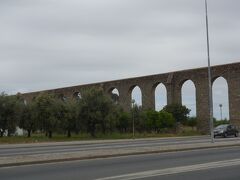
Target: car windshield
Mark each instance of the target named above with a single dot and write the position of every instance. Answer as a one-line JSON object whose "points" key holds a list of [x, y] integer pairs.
{"points": [[224, 126]]}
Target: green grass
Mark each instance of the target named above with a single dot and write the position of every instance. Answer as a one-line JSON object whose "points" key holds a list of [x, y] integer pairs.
{"points": [[37, 138]]}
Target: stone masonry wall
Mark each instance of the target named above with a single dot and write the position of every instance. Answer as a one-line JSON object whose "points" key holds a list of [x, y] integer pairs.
{"points": [[173, 82]]}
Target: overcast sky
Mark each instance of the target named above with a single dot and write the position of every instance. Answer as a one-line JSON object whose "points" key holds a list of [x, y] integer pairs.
{"points": [[48, 44]]}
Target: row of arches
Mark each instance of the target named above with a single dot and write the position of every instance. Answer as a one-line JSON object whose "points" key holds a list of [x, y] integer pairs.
{"points": [[220, 98], [188, 96]]}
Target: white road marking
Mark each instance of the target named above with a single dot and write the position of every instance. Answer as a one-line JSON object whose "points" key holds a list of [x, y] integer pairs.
{"points": [[174, 170]]}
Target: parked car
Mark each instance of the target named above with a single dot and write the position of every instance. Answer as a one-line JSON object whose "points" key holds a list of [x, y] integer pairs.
{"points": [[226, 130]]}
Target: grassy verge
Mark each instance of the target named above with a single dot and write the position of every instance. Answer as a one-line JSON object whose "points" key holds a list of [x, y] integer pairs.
{"points": [[36, 138]]}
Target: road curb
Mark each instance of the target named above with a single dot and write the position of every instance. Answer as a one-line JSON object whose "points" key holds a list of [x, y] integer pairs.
{"points": [[115, 155], [86, 142]]}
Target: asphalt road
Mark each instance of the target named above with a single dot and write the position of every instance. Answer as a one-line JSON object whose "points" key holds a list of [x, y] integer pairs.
{"points": [[8, 151], [208, 164]]}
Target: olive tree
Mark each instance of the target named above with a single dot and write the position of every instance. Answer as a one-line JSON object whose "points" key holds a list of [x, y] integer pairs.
{"points": [[28, 117], [69, 115], [9, 108], [47, 113], [97, 111]]}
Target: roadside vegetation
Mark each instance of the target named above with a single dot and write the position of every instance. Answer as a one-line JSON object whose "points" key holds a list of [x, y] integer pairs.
{"points": [[94, 115], [220, 122]]}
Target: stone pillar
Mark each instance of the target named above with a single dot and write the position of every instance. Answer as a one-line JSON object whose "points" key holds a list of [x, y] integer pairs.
{"points": [[174, 95], [234, 98], [170, 97], [125, 99], [202, 105], [148, 98]]}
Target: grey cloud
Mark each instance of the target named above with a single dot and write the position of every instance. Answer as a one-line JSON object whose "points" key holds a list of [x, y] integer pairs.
{"points": [[53, 43]]}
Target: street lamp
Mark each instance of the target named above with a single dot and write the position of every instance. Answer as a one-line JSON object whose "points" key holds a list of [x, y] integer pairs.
{"points": [[133, 123], [209, 77], [220, 105]]}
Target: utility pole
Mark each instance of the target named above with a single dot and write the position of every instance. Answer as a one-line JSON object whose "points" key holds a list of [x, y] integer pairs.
{"points": [[133, 123], [209, 77]]}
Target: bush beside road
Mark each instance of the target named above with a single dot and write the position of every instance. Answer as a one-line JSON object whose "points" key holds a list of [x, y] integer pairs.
{"points": [[39, 138]]}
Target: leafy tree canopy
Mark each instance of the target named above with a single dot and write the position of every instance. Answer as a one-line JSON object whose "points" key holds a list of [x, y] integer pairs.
{"points": [[179, 112]]}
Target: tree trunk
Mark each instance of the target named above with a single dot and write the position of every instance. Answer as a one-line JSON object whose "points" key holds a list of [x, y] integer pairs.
{"points": [[9, 133], [92, 129], [29, 132], [50, 134], [103, 128], [77, 132], [92, 132], [69, 133], [2, 132]]}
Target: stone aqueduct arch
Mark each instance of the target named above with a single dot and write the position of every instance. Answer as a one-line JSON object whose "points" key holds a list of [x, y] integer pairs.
{"points": [[173, 82]]}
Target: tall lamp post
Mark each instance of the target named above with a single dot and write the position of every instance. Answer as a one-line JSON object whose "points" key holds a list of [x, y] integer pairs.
{"points": [[133, 123], [220, 106], [209, 77]]}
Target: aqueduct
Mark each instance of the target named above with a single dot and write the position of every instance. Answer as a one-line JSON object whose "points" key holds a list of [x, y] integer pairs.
{"points": [[173, 82]]}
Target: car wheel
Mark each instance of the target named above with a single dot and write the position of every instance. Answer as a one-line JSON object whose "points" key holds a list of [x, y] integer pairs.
{"points": [[225, 135], [236, 134]]}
